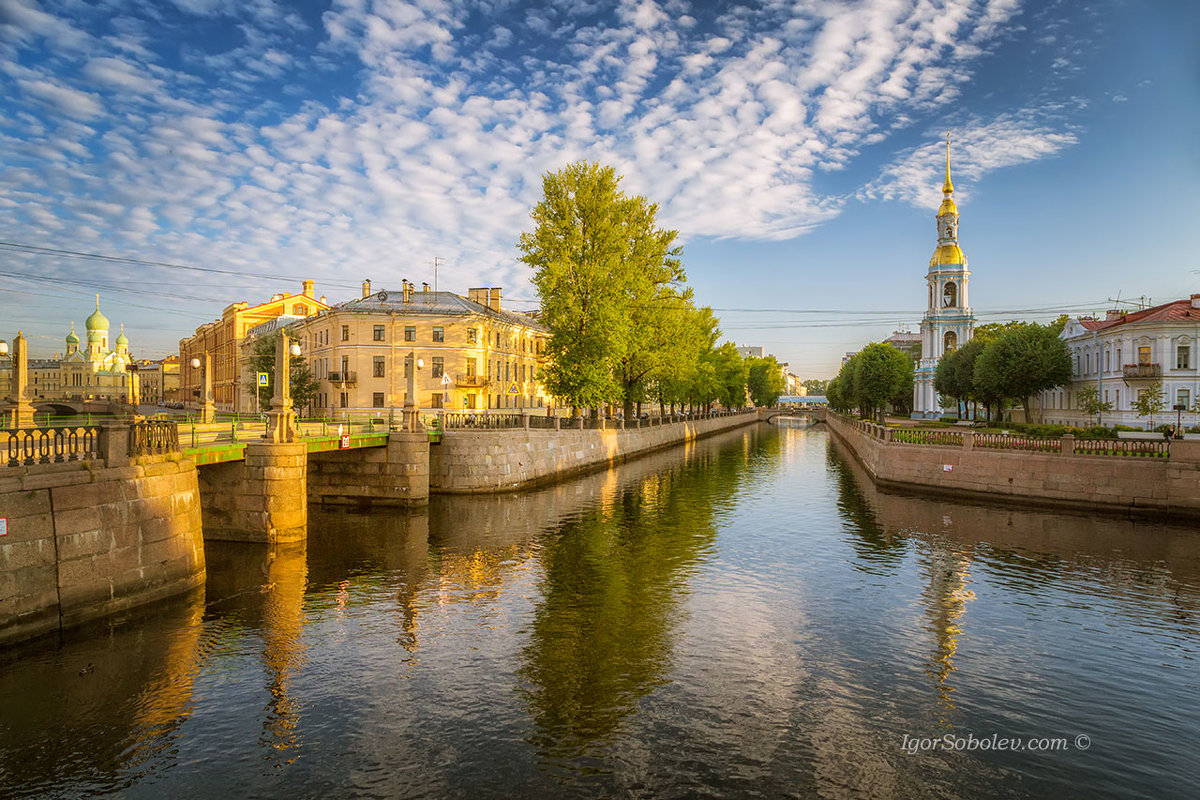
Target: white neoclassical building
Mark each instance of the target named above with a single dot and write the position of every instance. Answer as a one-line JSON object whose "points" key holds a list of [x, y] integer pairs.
{"points": [[1124, 354], [948, 322]]}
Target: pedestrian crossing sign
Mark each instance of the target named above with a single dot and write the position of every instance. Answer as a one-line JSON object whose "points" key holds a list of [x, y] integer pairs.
{"points": [[513, 389], [264, 379]]}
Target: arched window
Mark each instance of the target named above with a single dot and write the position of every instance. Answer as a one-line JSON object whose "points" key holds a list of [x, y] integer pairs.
{"points": [[950, 295], [950, 340]]}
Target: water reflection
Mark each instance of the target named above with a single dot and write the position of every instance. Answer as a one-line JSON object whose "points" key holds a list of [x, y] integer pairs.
{"points": [[614, 578], [110, 701]]}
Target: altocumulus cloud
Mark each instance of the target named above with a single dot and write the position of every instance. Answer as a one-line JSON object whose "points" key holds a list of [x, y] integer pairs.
{"points": [[376, 133]]}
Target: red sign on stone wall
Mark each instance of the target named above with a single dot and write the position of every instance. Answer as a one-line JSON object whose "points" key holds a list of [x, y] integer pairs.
{"points": [[345, 441]]}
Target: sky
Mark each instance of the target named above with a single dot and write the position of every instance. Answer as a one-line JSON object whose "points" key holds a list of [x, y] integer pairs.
{"points": [[213, 151]]}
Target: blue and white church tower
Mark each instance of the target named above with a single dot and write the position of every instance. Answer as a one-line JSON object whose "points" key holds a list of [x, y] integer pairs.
{"points": [[948, 322]]}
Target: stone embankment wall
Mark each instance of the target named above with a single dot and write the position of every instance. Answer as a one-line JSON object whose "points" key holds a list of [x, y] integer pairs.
{"points": [[468, 461], [1112, 484], [394, 476], [85, 541]]}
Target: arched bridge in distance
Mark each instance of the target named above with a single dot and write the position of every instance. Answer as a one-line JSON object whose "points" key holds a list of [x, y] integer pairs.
{"points": [[814, 413]]}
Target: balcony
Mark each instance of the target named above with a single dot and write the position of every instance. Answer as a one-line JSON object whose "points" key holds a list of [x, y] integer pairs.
{"points": [[471, 381], [343, 378], [1142, 372]]}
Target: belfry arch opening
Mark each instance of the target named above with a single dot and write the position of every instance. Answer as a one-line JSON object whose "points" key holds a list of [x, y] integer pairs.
{"points": [[950, 342], [950, 295]]}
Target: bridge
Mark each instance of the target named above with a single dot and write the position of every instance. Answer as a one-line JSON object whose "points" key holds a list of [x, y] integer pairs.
{"points": [[815, 414]]}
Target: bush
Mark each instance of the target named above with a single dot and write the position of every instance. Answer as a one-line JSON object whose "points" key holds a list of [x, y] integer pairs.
{"points": [[948, 419]]}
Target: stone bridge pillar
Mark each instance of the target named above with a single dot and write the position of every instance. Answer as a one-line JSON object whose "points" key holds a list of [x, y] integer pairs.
{"points": [[261, 499]]}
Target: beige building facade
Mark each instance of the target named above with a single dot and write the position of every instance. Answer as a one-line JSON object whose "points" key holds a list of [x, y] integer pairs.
{"points": [[221, 340], [470, 353]]}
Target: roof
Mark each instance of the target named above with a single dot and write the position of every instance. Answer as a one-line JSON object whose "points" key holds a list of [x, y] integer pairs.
{"points": [[434, 304], [1175, 311], [274, 324]]}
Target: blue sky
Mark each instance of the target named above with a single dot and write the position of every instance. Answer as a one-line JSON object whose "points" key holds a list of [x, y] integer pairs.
{"points": [[796, 146]]}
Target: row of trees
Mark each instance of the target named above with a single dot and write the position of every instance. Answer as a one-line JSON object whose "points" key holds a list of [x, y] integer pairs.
{"points": [[876, 377], [1005, 363], [624, 328]]}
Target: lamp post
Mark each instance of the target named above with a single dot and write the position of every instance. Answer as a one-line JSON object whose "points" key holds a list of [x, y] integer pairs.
{"points": [[1179, 409], [281, 419], [207, 412], [22, 413], [411, 409]]}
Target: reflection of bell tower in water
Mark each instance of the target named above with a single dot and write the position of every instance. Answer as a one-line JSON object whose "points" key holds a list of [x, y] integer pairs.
{"points": [[948, 322]]}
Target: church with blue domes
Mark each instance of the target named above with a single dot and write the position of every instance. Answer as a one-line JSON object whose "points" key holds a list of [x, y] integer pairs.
{"points": [[97, 370]]}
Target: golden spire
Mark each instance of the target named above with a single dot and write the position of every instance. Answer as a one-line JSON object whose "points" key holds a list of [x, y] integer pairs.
{"points": [[948, 187]]}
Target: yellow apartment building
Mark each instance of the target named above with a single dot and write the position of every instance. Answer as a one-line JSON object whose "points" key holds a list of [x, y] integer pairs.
{"points": [[221, 339], [472, 354], [158, 381]]}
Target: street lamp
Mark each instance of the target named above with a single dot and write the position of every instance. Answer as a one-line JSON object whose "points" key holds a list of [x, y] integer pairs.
{"points": [[1179, 409], [206, 406]]}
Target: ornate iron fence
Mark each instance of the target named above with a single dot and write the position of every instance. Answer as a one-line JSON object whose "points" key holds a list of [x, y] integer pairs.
{"points": [[153, 437], [922, 436], [26, 446], [466, 420], [1033, 444], [1138, 448]]}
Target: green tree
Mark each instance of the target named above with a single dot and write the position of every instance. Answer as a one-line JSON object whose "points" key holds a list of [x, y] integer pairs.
{"points": [[1021, 362], [1150, 401], [815, 386], [609, 280], [303, 385], [881, 374], [729, 372], [764, 380], [1090, 403], [955, 376]]}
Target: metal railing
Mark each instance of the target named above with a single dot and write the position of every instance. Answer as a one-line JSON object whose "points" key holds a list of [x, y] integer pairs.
{"points": [[479, 420], [1138, 448], [919, 436], [1141, 371], [1032, 444], [153, 437], [27, 446]]}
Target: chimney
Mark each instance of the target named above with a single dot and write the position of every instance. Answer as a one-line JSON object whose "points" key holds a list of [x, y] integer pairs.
{"points": [[1113, 313], [323, 299], [408, 287], [424, 287], [308, 288], [494, 298], [1196, 301], [478, 296], [367, 288]]}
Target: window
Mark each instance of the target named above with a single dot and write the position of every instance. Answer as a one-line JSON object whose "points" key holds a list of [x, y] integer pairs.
{"points": [[472, 338], [1143, 355], [470, 401], [1089, 363], [377, 399], [345, 366], [1117, 404], [438, 366], [950, 341], [1107, 362], [439, 334], [470, 368], [299, 310], [345, 400], [1183, 356], [1182, 396], [378, 333], [522, 373], [345, 333], [436, 400], [377, 366], [410, 333]]}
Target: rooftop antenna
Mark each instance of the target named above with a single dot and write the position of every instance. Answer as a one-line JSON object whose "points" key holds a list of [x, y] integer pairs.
{"points": [[436, 259]]}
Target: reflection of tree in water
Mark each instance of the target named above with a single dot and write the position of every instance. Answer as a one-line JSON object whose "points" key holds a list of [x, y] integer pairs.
{"points": [[878, 550], [613, 579]]}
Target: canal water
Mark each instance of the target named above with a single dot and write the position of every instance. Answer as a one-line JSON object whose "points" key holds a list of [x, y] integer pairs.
{"points": [[746, 617]]}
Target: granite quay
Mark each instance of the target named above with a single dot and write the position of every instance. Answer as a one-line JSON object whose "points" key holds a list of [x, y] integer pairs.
{"points": [[1127, 477]]}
